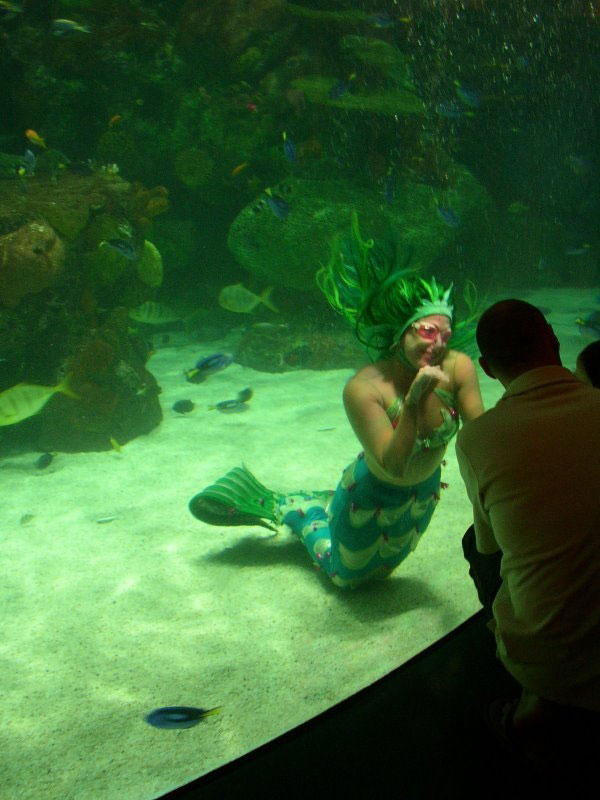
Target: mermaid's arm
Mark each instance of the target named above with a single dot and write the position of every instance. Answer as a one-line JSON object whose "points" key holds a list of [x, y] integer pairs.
{"points": [[392, 449], [467, 393]]}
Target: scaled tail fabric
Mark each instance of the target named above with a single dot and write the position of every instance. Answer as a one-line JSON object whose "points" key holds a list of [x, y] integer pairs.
{"points": [[236, 499], [363, 530], [367, 528]]}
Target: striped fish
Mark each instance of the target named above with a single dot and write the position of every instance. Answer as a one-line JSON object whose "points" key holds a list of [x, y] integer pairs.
{"points": [[151, 313]]}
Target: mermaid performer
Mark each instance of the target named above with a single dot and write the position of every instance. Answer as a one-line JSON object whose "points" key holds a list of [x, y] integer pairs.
{"points": [[404, 409]]}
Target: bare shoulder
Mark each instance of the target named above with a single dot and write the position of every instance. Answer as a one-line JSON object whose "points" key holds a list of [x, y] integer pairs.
{"points": [[365, 381], [366, 397], [367, 385], [463, 367]]}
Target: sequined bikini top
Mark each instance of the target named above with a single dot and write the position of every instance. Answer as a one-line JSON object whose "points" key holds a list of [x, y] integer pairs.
{"points": [[441, 435]]}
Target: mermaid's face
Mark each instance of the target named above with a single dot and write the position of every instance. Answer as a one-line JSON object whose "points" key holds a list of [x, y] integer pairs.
{"points": [[426, 341]]}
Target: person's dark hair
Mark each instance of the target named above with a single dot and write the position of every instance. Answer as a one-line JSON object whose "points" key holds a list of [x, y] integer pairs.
{"points": [[590, 361], [514, 334]]}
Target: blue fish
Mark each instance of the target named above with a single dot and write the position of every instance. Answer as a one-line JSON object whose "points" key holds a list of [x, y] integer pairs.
{"points": [[381, 21], [448, 216], [126, 247], [470, 97], [234, 406], [339, 89], [208, 366], [179, 716], [451, 110], [29, 162], [289, 148], [279, 206]]}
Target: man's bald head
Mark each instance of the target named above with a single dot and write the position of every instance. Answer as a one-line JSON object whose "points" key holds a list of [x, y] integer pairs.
{"points": [[514, 337]]}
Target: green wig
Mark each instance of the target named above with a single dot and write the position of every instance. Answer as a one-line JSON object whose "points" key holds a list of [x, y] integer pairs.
{"points": [[381, 295]]}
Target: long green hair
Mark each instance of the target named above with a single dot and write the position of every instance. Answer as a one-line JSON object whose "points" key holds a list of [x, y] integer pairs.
{"points": [[375, 287]]}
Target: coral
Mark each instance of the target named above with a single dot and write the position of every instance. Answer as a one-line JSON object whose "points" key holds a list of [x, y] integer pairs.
{"points": [[299, 346], [383, 56], [143, 204], [157, 204], [31, 259], [68, 203], [120, 147], [194, 167], [249, 61], [9, 165], [149, 266], [51, 162], [310, 148], [317, 89], [105, 265], [317, 15], [118, 396], [102, 265], [10, 221], [224, 29], [283, 253]]}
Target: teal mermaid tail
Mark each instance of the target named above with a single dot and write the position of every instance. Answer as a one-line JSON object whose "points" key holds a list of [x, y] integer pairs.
{"points": [[236, 499], [362, 531]]}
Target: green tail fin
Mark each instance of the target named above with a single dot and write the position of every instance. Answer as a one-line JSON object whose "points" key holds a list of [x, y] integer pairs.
{"points": [[235, 499], [65, 387], [265, 299]]}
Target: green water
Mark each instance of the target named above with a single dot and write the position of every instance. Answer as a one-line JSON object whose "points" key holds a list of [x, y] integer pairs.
{"points": [[153, 154]]}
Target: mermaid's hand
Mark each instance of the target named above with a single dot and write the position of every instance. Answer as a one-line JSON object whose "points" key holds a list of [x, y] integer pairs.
{"points": [[426, 379]]}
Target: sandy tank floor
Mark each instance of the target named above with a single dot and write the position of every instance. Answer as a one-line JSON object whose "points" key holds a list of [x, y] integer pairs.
{"points": [[105, 621]]}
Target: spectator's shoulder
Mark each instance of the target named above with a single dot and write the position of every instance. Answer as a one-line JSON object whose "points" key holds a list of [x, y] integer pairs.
{"points": [[475, 428]]}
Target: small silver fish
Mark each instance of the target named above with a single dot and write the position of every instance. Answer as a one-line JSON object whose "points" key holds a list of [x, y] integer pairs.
{"points": [[60, 27], [230, 407], [269, 327]]}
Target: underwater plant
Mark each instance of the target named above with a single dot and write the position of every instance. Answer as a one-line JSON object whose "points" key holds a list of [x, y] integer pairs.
{"points": [[328, 91]]}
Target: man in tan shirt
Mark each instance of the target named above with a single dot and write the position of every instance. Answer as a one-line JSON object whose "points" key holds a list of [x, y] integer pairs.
{"points": [[531, 466]]}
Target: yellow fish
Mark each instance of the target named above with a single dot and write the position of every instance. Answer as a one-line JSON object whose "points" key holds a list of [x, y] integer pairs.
{"points": [[240, 167], [34, 137], [26, 399], [115, 444], [240, 300]]}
